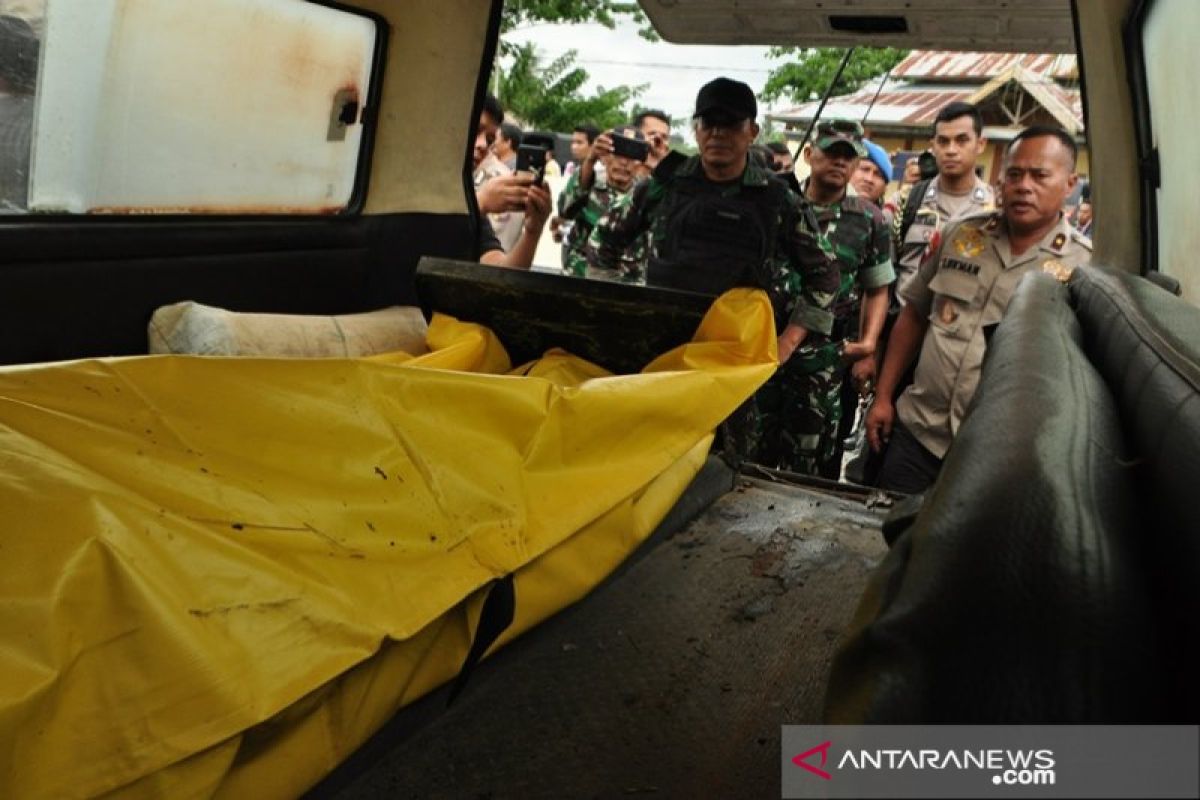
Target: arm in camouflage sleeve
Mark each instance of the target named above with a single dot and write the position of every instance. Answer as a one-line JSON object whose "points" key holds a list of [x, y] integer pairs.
{"points": [[876, 268], [875, 275], [573, 198], [819, 279], [625, 220]]}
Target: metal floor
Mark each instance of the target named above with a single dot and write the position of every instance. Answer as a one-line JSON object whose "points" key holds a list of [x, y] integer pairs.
{"points": [[670, 681]]}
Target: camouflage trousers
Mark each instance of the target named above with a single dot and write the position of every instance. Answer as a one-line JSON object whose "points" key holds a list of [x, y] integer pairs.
{"points": [[798, 412]]}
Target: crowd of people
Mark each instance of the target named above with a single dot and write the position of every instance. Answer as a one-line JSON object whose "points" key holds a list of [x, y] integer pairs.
{"points": [[881, 297]]}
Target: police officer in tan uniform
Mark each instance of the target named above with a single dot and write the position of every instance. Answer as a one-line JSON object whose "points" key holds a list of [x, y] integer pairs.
{"points": [[963, 286], [956, 191]]}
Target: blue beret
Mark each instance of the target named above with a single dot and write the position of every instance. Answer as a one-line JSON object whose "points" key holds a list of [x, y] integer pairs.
{"points": [[880, 157]]}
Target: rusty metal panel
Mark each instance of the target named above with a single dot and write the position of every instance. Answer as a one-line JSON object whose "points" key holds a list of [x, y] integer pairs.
{"points": [[979, 66], [225, 106]]}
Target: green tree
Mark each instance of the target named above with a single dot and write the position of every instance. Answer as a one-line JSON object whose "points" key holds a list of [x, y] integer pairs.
{"points": [[547, 96], [809, 71], [525, 13]]}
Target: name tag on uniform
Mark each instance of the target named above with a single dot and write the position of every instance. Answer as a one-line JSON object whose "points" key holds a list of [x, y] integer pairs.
{"points": [[960, 266]]}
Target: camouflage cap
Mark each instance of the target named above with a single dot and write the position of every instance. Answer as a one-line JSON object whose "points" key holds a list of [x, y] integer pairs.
{"points": [[845, 131]]}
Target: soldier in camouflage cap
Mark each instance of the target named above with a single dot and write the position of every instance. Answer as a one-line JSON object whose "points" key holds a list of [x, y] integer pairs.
{"points": [[800, 406], [588, 196]]}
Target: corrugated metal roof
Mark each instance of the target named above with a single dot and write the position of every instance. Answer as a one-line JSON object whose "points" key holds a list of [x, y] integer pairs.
{"points": [[903, 104], [952, 65], [909, 104]]}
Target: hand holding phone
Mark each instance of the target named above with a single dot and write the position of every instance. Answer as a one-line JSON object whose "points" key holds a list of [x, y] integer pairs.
{"points": [[531, 160]]}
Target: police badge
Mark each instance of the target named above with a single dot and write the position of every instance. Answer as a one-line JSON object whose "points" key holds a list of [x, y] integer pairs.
{"points": [[1059, 270], [968, 242]]}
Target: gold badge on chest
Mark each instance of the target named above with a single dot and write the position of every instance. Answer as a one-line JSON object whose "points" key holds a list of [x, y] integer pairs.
{"points": [[1059, 270], [968, 242]]}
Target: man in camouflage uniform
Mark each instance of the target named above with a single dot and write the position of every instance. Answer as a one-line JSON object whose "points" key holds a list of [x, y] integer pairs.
{"points": [[718, 220], [962, 287], [587, 197], [801, 404]]}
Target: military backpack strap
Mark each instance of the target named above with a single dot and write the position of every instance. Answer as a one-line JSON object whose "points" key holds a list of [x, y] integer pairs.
{"points": [[912, 204]]}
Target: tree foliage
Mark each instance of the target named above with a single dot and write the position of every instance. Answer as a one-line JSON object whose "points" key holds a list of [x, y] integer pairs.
{"points": [[520, 13], [548, 97], [808, 74]]}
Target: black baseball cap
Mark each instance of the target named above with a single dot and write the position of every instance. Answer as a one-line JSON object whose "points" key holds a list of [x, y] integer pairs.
{"points": [[726, 96]]}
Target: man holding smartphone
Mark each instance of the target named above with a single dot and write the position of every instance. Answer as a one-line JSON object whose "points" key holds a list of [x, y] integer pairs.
{"points": [[587, 197], [506, 193]]}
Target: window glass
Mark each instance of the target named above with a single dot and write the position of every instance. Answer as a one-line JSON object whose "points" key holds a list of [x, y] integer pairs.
{"points": [[177, 106], [21, 24], [1174, 119]]}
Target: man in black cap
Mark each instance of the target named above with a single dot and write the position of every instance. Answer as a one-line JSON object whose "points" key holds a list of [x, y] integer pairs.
{"points": [[718, 220]]}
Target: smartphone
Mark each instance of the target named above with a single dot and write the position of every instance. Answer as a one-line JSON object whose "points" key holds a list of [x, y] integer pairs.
{"points": [[630, 148], [532, 159]]}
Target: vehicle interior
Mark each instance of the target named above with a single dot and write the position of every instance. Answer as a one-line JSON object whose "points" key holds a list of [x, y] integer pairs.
{"points": [[1052, 583]]}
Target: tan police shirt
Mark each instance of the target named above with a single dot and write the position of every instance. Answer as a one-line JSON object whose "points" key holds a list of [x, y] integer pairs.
{"points": [[937, 209], [506, 224], [964, 286]]}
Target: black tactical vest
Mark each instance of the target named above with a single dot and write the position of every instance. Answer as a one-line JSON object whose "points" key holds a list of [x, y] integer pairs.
{"points": [[715, 242]]}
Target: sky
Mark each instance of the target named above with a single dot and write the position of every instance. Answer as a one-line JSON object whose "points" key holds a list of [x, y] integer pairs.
{"points": [[674, 72]]}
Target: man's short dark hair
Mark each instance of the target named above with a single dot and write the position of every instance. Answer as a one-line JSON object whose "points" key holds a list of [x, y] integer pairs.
{"points": [[512, 133], [779, 147], [589, 130], [492, 107], [1038, 131], [651, 112], [957, 109]]}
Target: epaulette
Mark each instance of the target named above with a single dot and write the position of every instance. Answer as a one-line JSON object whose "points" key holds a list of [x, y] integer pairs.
{"points": [[981, 220], [1081, 240]]}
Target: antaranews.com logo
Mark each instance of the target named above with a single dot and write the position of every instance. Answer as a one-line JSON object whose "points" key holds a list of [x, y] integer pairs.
{"points": [[1007, 761], [1007, 767]]}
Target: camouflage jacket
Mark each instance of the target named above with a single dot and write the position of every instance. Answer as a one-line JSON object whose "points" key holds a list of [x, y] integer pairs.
{"points": [[803, 288], [584, 209], [853, 234]]}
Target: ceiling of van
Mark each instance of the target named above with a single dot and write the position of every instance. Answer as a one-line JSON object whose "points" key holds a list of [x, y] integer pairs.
{"points": [[1027, 26]]}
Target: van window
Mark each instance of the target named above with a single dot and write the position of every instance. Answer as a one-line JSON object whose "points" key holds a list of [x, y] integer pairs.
{"points": [[160, 106], [1174, 120]]}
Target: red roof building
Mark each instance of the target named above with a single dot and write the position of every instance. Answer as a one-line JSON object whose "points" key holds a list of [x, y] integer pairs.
{"points": [[1012, 90]]}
